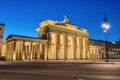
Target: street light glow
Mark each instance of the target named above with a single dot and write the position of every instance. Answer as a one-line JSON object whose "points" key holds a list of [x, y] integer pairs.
{"points": [[106, 27]]}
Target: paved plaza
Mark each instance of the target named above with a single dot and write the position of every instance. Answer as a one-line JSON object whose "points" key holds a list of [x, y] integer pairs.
{"points": [[44, 70]]}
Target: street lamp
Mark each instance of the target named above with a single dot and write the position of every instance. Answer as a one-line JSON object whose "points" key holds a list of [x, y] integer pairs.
{"points": [[106, 27]]}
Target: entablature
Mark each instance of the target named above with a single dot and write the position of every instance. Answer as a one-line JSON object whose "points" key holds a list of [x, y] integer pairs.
{"points": [[61, 30], [26, 39]]}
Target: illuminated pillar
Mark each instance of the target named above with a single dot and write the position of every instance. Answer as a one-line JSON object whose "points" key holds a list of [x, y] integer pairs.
{"points": [[38, 51], [61, 54], [65, 46], [31, 51], [7, 52], [78, 48], [91, 52], [41, 51], [81, 47], [45, 51], [87, 49], [18, 50], [23, 50], [14, 50], [73, 47], [84, 49], [10, 50], [19, 55], [12, 43], [56, 49], [53, 46], [56, 46]]}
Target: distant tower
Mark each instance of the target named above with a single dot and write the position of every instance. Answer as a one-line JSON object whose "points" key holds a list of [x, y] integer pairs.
{"points": [[1, 35]]}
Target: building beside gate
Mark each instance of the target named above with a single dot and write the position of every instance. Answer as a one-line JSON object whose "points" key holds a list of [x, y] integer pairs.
{"points": [[99, 49], [96, 49]]}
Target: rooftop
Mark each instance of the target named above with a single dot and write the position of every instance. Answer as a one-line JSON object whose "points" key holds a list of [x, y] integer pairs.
{"points": [[12, 35]]}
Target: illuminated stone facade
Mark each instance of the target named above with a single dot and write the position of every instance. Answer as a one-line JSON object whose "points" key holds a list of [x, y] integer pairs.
{"points": [[24, 48], [65, 41], [56, 41], [96, 49]]}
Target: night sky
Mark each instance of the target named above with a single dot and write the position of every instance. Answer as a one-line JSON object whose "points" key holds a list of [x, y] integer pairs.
{"points": [[22, 17]]}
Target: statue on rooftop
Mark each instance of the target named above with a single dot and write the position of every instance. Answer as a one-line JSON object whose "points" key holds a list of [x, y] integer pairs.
{"points": [[66, 20]]}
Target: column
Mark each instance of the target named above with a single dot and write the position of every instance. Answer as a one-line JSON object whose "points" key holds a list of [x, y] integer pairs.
{"points": [[56, 49], [61, 53], [94, 52], [70, 45], [81, 47], [7, 51], [65, 46], [38, 56], [62, 45], [34, 51], [87, 48], [23, 50], [16, 49], [42, 51], [11, 50], [39, 50], [91, 53], [45, 51], [19, 51], [84, 50], [31, 51], [77, 56], [56, 46], [74, 47], [53, 46]]}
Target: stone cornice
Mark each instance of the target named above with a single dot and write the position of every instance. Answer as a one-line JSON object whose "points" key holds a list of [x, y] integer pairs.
{"points": [[63, 30], [27, 39]]}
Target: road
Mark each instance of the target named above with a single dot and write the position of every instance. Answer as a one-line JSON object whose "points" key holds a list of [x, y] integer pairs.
{"points": [[58, 71]]}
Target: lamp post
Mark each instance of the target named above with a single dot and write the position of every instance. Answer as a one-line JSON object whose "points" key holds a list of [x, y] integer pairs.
{"points": [[106, 27]]}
